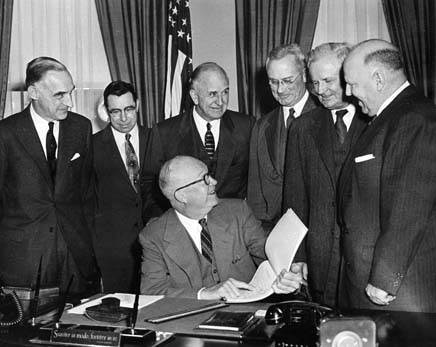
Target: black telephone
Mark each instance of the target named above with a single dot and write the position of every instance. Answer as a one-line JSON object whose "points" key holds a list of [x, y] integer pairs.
{"points": [[299, 322], [11, 311]]}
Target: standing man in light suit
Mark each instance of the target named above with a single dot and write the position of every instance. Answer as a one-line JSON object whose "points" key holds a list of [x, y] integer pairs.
{"points": [[46, 186], [316, 151], [203, 247], [119, 159], [286, 69], [388, 187]]}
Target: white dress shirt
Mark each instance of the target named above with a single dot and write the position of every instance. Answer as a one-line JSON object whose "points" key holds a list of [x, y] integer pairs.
{"points": [[201, 125], [348, 117], [41, 126]]}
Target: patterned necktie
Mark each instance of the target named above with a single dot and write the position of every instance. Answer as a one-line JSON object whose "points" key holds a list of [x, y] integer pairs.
{"points": [[290, 118], [50, 146], [209, 142], [341, 128], [132, 163], [206, 241]]}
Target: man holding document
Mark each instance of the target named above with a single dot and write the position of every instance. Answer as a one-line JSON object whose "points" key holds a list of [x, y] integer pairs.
{"points": [[203, 247]]}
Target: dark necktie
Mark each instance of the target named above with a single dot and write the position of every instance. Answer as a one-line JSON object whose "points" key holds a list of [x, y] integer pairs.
{"points": [[50, 146], [209, 142], [132, 163], [206, 241], [341, 128], [290, 118]]}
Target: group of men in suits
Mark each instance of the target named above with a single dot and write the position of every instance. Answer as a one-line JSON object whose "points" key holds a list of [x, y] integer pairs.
{"points": [[363, 184]]}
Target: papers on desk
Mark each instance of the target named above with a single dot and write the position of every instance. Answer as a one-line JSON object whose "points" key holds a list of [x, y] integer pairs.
{"points": [[126, 300], [280, 248]]}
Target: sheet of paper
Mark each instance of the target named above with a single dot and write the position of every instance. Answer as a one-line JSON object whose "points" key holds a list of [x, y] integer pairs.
{"points": [[126, 300], [283, 241], [280, 248]]}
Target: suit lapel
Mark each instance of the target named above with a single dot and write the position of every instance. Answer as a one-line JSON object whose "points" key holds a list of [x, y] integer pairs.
{"points": [[179, 246], [222, 244], [324, 142], [115, 156], [28, 136], [226, 149], [190, 141], [271, 136]]}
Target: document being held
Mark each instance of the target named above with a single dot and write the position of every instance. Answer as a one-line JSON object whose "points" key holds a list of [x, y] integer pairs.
{"points": [[280, 248]]}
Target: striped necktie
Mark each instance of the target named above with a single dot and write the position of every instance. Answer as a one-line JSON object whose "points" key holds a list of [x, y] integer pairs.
{"points": [[209, 142], [206, 241]]}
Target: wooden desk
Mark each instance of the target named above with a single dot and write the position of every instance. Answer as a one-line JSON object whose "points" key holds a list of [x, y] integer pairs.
{"points": [[394, 329]]}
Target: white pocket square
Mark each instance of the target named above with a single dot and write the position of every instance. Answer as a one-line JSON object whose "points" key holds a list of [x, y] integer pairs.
{"points": [[75, 156], [364, 158]]}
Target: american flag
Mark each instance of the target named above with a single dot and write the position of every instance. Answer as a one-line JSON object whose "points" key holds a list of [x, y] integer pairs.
{"points": [[179, 64]]}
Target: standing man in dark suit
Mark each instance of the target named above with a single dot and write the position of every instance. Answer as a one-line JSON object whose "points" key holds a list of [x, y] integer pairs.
{"points": [[388, 187], [203, 247], [119, 158], [46, 186], [209, 132], [286, 69], [316, 151]]}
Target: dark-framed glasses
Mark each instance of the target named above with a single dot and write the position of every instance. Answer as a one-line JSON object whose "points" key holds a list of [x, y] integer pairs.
{"points": [[116, 112], [287, 82], [206, 179]]}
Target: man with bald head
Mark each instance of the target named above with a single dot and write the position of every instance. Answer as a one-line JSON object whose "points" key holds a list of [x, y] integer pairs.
{"points": [[388, 187], [209, 131], [203, 247]]}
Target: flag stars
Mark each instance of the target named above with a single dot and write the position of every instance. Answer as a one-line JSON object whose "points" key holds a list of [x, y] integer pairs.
{"points": [[186, 3], [180, 33], [173, 22], [184, 21], [175, 10], [188, 37]]}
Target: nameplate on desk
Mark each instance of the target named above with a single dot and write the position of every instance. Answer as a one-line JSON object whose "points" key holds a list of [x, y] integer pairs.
{"points": [[82, 337]]}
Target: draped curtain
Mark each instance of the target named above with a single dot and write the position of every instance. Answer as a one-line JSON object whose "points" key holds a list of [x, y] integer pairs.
{"points": [[260, 26], [412, 26], [6, 7], [134, 35]]}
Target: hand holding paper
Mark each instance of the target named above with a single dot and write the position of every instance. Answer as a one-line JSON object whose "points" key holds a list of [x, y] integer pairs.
{"points": [[281, 246]]}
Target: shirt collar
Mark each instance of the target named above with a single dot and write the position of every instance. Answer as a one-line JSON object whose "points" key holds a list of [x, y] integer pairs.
{"points": [[392, 97], [120, 135], [38, 120], [200, 122], [298, 107]]}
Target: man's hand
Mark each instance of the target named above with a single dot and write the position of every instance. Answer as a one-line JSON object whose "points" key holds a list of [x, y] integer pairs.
{"points": [[290, 281], [228, 289], [378, 296]]}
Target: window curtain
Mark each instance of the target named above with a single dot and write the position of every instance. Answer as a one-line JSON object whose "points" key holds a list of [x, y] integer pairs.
{"points": [[260, 26], [6, 7], [350, 21], [134, 36], [412, 26]]}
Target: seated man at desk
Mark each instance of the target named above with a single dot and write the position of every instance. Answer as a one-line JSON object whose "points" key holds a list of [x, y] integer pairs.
{"points": [[203, 247]]}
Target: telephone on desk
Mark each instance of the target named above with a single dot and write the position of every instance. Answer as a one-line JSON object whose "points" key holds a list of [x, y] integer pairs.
{"points": [[308, 324]]}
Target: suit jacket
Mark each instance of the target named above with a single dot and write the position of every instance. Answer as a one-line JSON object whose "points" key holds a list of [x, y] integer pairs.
{"points": [[179, 136], [310, 183], [388, 207], [265, 175], [169, 266], [119, 216], [32, 207]]}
